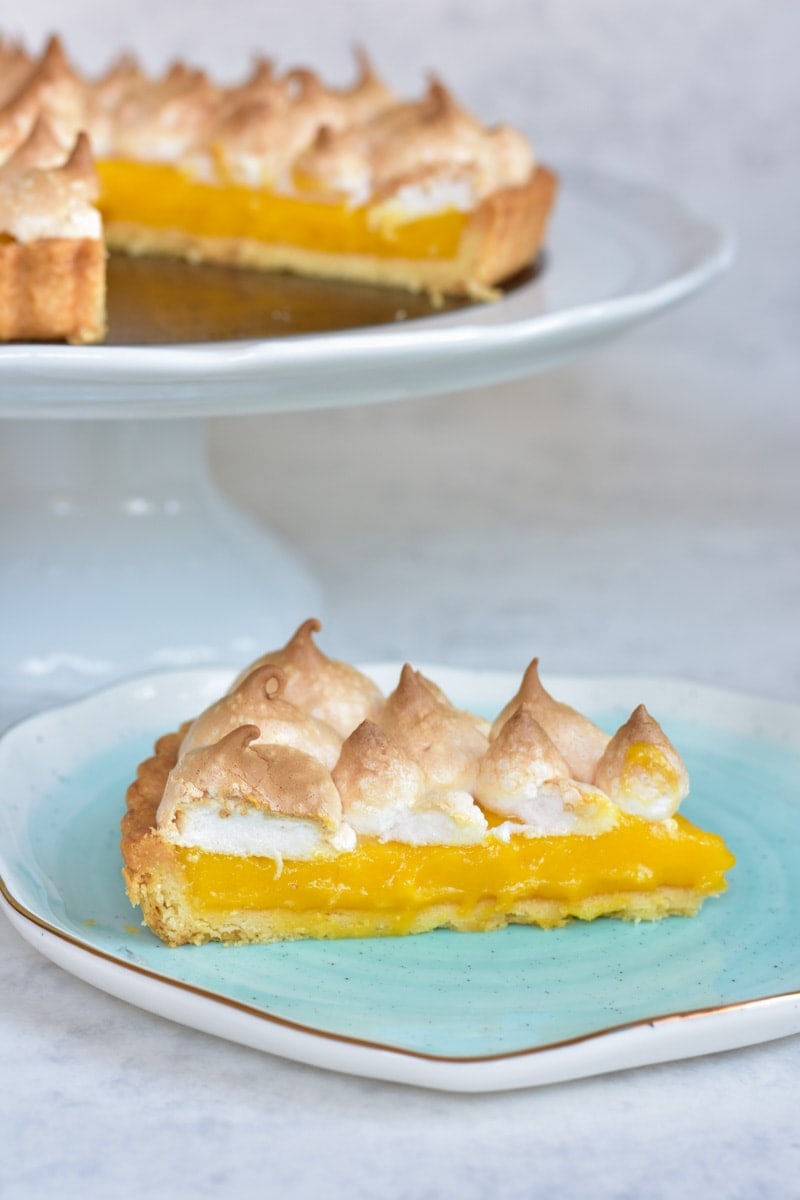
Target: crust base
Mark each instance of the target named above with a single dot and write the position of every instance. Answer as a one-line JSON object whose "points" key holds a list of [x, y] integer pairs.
{"points": [[52, 290]]}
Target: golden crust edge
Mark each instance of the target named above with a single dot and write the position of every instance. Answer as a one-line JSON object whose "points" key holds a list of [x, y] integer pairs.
{"points": [[53, 289]]}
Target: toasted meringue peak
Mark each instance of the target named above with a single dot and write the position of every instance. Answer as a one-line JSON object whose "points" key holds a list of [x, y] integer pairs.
{"points": [[39, 199], [578, 739], [79, 169], [41, 150], [258, 700], [445, 741], [15, 66], [239, 797], [523, 776], [385, 795], [51, 88], [163, 118], [417, 146], [239, 771], [641, 770], [372, 770], [265, 126], [332, 691]]}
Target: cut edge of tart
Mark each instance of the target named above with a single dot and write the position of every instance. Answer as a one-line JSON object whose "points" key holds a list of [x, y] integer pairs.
{"points": [[246, 826], [52, 256], [278, 173]]}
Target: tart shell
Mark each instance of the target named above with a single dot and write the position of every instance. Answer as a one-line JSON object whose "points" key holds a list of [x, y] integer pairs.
{"points": [[52, 289]]}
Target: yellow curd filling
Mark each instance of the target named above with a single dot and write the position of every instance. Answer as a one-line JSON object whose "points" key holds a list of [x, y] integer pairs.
{"points": [[393, 878], [160, 196]]}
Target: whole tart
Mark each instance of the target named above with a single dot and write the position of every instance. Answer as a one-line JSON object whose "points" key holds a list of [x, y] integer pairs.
{"points": [[279, 172], [305, 804]]}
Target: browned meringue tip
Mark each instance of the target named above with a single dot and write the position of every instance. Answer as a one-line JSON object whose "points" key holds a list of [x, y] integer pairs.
{"points": [[262, 68], [305, 630], [258, 698], [439, 100], [238, 770], [54, 59], [641, 769], [239, 739], [80, 164], [370, 746], [412, 683], [642, 727], [413, 694], [368, 755], [530, 686], [367, 734], [578, 739], [40, 148], [522, 732], [52, 66], [364, 65], [266, 681], [444, 740]]}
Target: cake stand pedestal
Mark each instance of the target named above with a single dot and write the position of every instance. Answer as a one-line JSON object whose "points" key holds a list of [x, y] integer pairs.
{"points": [[118, 553]]}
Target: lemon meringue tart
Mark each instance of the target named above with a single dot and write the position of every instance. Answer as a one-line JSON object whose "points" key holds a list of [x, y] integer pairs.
{"points": [[279, 172], [305, 804]]}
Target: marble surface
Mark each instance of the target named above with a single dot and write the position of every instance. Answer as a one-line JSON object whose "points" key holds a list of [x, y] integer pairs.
{"points": [[637, 512]]}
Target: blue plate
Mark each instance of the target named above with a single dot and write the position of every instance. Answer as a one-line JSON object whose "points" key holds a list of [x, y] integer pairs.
{"points": [[460, 1011]]}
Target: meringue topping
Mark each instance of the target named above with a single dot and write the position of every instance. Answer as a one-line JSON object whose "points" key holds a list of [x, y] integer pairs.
{"points": [[45, 193], [641, 770], [50, 89], [578, 739], [414, 143], [258, 700], [386, 795], [523, 776], [445, 741], [332, 691], [241, 797]]}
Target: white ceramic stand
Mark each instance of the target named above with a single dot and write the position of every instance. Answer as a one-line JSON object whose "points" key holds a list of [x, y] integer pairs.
{"points": [[118, 554]]}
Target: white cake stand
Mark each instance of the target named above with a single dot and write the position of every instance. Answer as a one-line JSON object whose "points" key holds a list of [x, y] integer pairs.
{"points": [[119, 555]]}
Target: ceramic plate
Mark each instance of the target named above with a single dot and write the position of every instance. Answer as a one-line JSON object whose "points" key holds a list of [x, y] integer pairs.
{"points": [[617, 254], [469, 1012]]}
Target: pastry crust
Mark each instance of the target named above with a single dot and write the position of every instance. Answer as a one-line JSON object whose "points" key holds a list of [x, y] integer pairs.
{"points": [[52, 289]]}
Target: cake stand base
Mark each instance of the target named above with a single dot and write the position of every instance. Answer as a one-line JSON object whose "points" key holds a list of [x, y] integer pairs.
{"points": [[120, 556]]}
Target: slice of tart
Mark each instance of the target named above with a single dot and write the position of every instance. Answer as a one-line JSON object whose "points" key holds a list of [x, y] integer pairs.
{"points": [[283, 173], [303, 804]]}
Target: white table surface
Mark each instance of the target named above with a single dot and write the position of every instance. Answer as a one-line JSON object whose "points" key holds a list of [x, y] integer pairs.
{"points": [[638, 512]]}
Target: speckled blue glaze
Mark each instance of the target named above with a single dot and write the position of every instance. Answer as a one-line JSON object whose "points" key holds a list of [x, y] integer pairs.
{"points": [[449, 994]]}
